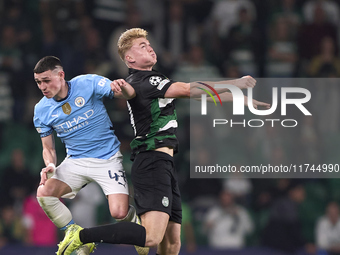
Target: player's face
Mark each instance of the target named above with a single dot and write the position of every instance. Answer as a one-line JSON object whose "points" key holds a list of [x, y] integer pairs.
{"points": [[141, 54], [50, 83]]}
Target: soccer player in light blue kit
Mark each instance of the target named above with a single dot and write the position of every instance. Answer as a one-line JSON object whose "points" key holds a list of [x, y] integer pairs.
{"points": [[75, 110]]}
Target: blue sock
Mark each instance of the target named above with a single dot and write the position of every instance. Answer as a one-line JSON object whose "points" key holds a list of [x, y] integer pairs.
{"points": [[68, 224]]}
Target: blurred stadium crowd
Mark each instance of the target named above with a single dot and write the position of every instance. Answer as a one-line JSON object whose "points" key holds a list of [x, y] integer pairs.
{"points": [[194, 39]]}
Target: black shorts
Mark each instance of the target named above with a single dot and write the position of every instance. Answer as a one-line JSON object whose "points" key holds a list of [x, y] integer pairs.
{"points": [[155, 184]]}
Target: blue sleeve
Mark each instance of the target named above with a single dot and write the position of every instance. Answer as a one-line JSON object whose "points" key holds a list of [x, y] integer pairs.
{"points": [[102, 87], [42, 129]]}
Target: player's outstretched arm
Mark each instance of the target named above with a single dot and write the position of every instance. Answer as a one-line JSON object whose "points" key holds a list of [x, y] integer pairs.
{"points": [[186, 90], [178, 90], [256, 103], [122, 89], [242, 83], [228, 97], [49, 156]]}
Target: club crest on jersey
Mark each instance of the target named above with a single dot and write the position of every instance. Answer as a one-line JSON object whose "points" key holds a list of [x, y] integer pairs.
{"points": [[80, 101], [155, 80], [165, 201], [67, 108]]}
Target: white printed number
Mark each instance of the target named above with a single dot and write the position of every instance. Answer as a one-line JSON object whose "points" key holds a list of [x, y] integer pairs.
{"points": [[102, 82]]}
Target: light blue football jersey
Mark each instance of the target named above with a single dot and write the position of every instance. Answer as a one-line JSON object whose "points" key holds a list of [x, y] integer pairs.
{"points": [[80, 120]]}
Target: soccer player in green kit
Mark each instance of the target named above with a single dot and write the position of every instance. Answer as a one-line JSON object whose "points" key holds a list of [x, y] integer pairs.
{"points": [[153, 118]]}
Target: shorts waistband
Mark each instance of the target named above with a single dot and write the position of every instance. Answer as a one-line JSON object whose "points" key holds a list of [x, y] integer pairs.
{"points": [[158, 154]]}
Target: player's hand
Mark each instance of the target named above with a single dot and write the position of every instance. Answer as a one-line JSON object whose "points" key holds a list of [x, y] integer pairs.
{"points": [[122, 89], [117, 85], [47, 173], [245, 82], [256, 104]]}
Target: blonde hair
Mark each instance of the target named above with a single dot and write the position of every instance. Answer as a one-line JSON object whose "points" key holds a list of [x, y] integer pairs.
{"points": [[126, 39]]}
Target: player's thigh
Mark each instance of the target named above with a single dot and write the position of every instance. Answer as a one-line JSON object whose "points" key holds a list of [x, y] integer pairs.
{"points": [[109, 174], [53, 188], [67, 180], [151, 179], [155, 223], [176, 208], [72, 172]]}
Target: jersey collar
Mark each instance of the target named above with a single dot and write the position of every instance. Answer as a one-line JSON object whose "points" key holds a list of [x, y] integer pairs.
{"points": [[132, 71]]}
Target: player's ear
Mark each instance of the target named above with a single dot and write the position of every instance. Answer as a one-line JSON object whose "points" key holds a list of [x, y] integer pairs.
{"points": [[61, 74], [129, 58]]}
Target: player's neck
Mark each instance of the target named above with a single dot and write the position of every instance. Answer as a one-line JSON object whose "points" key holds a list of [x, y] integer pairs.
{"points": [[142, 68]]}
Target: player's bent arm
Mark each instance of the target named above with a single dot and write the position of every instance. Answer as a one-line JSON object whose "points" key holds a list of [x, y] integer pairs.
{"points": [[241, 83], [178, 90], [50, 158], [256, 103], [185, 90], [49, 153], [225, 97], [122, 89], [228, 97], [191, 90]]}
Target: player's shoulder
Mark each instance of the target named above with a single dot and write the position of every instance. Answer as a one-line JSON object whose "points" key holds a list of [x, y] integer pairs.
{"points": [[43, 105], [155, 75], [84, 78], [152, 77], [135, 74], [88, 82]]}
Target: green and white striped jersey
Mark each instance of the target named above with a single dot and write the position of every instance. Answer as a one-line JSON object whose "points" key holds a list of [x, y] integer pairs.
{"points": [[153, 117]]}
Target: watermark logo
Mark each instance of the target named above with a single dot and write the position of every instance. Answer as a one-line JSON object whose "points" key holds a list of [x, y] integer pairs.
{"points": [[204, 97], [239, 103]]}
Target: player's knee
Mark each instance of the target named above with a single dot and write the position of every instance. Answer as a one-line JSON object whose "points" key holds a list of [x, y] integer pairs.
{"points": [[152, 241], [42, 191], [118, 213], [53, 190], [174, 247]]}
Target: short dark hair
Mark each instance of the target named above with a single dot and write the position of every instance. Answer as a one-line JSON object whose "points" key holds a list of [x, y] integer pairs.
{"points": [[47, 63]]}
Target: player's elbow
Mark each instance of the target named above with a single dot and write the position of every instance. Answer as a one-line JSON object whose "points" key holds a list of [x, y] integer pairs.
{"points": [[186, 91]]}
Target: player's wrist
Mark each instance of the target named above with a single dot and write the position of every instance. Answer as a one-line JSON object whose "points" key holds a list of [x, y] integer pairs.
{"points": [[52, 165], [50, 173]]}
